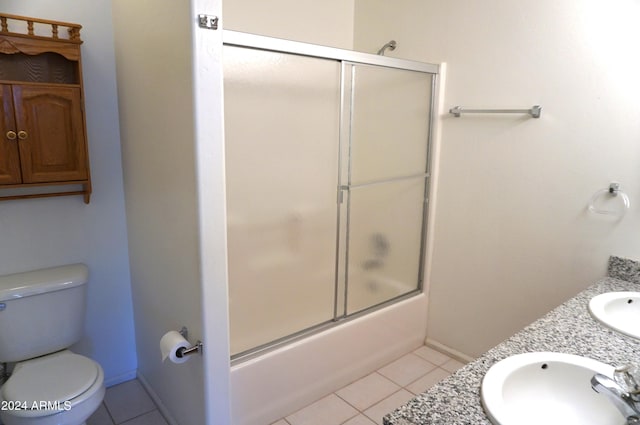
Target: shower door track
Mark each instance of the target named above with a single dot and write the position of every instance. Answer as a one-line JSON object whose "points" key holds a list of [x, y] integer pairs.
{"points": [[252, 41], [345, 57]]}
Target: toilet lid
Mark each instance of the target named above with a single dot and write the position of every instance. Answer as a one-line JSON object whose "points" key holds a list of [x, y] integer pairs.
{"points": [[54, 378]]}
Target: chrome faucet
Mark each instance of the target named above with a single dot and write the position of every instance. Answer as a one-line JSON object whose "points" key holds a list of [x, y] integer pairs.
{"points": [[623, 391]]}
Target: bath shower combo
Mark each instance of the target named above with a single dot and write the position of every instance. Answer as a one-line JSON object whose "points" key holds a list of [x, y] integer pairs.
{"points": [[327, 198]]}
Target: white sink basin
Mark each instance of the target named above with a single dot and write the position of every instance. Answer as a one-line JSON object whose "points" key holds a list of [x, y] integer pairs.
{"points": [[619, 311], [547, 388]]}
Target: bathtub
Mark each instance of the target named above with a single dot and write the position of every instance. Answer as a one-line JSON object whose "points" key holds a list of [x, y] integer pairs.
{"points": [[277, 383]]}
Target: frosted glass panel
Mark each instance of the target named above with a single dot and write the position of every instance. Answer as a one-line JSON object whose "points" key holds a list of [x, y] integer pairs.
{"points": [[281, 131], [390, 123], [385, 235]]}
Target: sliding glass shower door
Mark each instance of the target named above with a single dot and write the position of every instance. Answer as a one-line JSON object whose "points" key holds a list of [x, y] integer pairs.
{"points": [[327, 177], [387, 178], [281, 127]]}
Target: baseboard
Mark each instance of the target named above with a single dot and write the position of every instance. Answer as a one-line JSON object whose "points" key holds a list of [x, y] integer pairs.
{"points": [[124, 377], [448, 351], [161, 407]]}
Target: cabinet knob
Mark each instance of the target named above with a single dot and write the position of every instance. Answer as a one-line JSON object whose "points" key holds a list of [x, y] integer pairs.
{"points": [[11, 135], [22, 135]]}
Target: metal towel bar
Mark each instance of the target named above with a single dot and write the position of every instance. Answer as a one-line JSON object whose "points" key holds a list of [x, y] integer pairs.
{"points": [[534, 111]]}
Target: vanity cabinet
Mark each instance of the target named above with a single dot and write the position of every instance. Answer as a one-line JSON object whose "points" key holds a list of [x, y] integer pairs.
{"points": [[43, 146]]}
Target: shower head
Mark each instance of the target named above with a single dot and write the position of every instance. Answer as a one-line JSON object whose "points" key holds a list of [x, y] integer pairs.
{"points": [[390, 45]]}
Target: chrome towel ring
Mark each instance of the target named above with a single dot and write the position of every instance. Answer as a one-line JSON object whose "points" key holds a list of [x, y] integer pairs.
{"points": [[612, 190]]}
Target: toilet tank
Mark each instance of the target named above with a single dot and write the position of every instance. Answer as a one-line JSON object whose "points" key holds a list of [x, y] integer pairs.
{"points": [[41, 311]]}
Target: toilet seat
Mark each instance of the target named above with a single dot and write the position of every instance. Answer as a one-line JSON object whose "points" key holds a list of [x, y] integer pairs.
{"points": [[56, 378], [64, 380]]}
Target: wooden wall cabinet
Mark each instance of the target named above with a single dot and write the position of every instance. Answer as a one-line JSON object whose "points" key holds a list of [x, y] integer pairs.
{"points": [[43, 144]]}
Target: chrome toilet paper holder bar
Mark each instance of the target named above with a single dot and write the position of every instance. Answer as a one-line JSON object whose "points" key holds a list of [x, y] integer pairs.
{"points": [[197, 348]]}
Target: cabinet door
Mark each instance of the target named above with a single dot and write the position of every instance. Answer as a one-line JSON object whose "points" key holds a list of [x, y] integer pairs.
{"points": [[9, 159], [51, 131]]}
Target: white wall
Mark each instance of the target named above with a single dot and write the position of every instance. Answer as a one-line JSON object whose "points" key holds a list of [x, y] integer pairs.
{"points": [[513, 237], [171, 202], [47, 232], [328, 23]]}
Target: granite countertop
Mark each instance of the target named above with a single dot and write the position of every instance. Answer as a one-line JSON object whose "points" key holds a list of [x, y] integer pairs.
{"points": [[568, 328]]}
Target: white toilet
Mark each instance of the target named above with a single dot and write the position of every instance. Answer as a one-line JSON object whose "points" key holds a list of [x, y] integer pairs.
{"points": [[41, 315]]}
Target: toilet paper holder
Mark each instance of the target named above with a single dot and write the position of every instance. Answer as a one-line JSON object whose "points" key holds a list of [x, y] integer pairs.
{"points": [[197, 348]]}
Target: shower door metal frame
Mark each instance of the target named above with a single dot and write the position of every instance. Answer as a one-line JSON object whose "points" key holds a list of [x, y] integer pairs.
{"points": [[346, 58], [346, 134], [241, 39]]}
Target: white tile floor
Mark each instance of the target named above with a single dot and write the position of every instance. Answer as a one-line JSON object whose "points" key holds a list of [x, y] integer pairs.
{"points": [[363, 402], [127, 404], [367, 400]]}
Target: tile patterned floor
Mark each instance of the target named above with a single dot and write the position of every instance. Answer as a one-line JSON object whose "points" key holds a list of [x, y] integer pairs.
{"points": [[367, 400], [127, 404], [363, 402]]}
